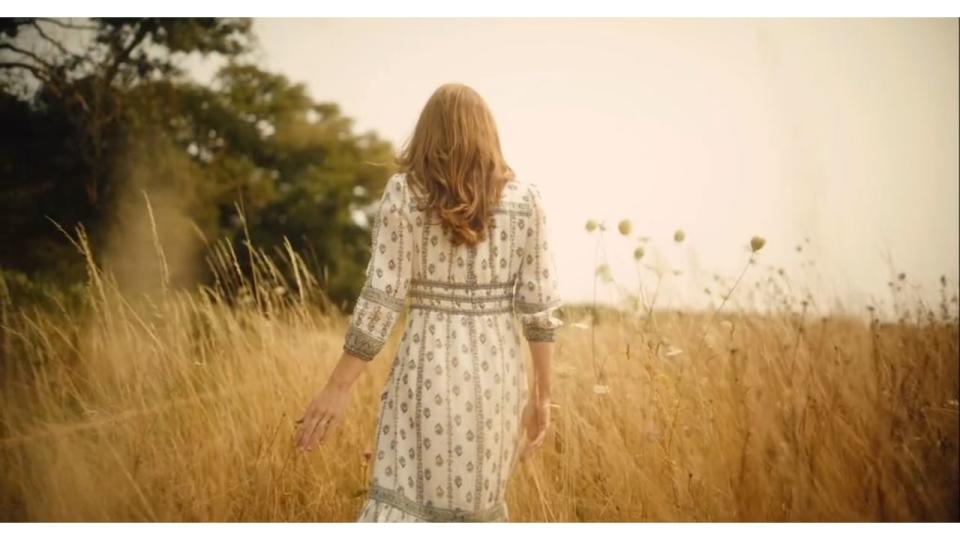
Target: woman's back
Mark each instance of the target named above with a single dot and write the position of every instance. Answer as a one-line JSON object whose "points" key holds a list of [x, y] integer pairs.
{"points": [[490, 268], [512, 267]]}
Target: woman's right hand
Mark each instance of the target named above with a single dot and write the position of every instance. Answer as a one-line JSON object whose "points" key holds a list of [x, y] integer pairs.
{"points": [[323, 413], [536, 422]]}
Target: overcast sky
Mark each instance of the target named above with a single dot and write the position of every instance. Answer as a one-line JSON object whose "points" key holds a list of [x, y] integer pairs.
{"points": [[841, 131]]}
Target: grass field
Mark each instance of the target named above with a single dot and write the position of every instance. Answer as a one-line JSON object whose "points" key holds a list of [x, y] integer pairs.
{"points": [[181, 406]]}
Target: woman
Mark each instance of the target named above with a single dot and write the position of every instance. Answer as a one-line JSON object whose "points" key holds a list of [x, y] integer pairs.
{"points": [[466, 243]]}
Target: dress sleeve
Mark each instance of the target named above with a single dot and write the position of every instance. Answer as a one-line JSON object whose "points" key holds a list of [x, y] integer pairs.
{"points": [[387, 275], [537, 296]]}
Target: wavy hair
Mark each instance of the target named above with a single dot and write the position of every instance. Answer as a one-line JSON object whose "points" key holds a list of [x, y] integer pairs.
{"points": [[454, 160]]}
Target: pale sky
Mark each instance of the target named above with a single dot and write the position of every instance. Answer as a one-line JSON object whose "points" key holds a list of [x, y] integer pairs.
{"points": [[843, 131]]}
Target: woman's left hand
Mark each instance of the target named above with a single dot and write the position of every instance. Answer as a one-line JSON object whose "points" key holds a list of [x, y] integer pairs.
{"points": [[323, 413]]}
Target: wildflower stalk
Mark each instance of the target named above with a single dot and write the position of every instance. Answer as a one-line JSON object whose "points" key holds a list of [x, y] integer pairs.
{"points": [[656, 293], [756, 243], [593, 315], [642, 297]]}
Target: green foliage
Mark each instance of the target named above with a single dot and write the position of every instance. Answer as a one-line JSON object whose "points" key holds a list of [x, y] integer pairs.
{"points": [[86, 133], [18, 289]]}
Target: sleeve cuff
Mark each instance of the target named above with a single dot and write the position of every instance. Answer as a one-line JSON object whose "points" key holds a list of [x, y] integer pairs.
{"points": [[541, 325], [361, 344], [533, 333]]}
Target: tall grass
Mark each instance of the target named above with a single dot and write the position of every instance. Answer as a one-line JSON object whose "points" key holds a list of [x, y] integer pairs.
{"points": [[180, 406]]}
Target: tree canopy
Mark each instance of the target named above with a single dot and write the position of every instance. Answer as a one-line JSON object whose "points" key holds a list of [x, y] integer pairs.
{"points": [[87, 130]]}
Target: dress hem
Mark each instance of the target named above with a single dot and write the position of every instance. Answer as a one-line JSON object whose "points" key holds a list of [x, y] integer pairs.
{"points": [[386, 505]]}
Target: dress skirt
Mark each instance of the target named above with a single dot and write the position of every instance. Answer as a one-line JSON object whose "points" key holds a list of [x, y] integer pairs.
{"points": [[448, 430]]}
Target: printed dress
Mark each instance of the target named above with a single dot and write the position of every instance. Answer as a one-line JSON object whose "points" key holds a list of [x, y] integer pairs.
{"points": [[448, 428]]}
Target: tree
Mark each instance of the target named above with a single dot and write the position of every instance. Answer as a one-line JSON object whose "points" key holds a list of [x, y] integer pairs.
{"points": [[85, 132]]}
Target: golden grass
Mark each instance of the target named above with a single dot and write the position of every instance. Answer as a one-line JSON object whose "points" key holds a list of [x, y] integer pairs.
{"points": [[182, 406]]}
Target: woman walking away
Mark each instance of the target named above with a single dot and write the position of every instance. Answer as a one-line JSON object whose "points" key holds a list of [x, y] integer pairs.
{"points": [[466, 243]]}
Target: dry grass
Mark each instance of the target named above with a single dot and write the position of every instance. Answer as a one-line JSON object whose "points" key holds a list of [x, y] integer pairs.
{"points": [[181, 407]]}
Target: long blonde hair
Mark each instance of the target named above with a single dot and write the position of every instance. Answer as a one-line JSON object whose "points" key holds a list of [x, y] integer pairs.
{"points": [[454, 158]]}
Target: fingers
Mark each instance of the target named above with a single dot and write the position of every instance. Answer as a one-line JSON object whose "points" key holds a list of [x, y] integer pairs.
{"points": [[525, 453], [529, 428], [531, 447], [319, 429], [527, 419], [534, 442], [537, 442], [305, 425], [313, 426], [326, 429]]}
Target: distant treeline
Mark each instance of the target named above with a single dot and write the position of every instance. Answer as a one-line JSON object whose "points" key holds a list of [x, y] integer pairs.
{"points": [[97, 116]]}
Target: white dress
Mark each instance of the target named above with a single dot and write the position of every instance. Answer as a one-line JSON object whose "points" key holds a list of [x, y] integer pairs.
{"points": [[448, 430]]}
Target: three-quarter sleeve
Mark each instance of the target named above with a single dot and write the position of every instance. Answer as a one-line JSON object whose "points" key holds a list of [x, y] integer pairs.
{"points": [[387, 275], [537, 296]]}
